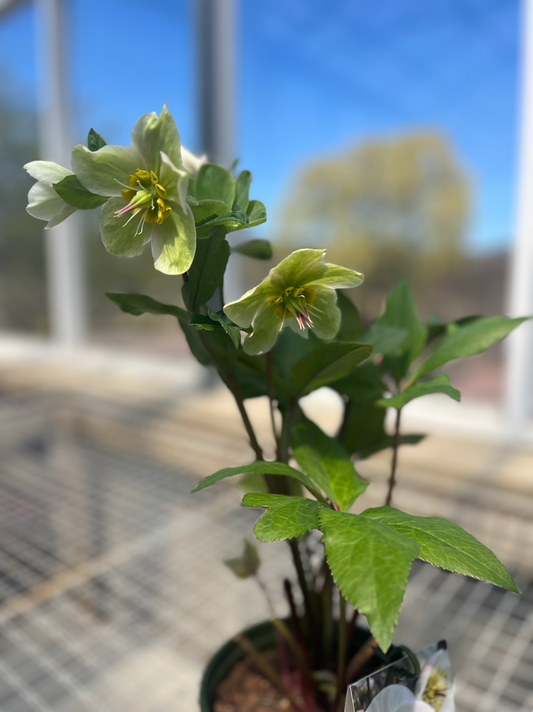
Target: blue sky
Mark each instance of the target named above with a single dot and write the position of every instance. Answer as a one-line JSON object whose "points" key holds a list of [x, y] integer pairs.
{"points": [[314, 78]]}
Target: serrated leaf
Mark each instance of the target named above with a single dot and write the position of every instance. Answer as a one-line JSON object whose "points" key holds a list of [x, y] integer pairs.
{"points": [[370, 564], [74, 193], [214, 183], [363, 383], [95, 141], [207, 270], [446, 545], [441, 384], [242, 189], [326, 364], [469, 340], [327, 463], [286, 518], [256, 212], [245, 565], [258, 249], [351, 327], [258, 468]]}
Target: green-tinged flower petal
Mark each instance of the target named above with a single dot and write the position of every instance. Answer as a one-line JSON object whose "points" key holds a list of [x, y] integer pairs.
{"points": [[192, 163], [266, 328], [300, 268], [47, 171], [174, 242], [45, 204], [338, 277], [243, 310], [325, 314], [119, 233], [175, 181], [152, 134], [106, 171]]}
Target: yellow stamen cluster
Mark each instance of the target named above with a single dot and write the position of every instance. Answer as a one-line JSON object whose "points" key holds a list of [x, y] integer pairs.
{"points": [[436, 689], [147, 194], [294, 300]]}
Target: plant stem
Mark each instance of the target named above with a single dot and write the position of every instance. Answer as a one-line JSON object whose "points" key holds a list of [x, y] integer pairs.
{"points": [[270, 391], [310, 612], [395, 448], [235, 391], [267, 669], [341, 653], [360, 659], [288, 420]]}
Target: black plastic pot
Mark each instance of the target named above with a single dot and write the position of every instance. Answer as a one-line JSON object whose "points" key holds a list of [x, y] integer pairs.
{"points": [[263, 638]]}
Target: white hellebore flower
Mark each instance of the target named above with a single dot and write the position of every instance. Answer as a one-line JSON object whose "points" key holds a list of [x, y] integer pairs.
{"points": [[397, 698], [43, 201], [192, 163]]}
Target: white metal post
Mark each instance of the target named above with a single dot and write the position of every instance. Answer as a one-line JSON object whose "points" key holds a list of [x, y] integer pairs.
{"points": [[216, 62], [520, 346], [66, 287]]}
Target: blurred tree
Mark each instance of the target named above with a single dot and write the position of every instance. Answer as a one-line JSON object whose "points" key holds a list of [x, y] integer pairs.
{"points": [[390, 208], [22, 260]]}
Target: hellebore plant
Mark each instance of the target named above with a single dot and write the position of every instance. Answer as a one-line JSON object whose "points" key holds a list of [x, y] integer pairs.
{"points": [[155, 191]]}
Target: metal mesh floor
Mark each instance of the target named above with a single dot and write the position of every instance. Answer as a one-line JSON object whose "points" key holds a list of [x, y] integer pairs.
{"points": [[113, 595]]}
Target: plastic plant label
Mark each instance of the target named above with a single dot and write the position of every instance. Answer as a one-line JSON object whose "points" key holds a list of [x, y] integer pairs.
{"points": [[418, 683]]}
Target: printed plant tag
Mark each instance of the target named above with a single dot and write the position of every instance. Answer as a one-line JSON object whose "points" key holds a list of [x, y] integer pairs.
{"points": [[414, 683]]}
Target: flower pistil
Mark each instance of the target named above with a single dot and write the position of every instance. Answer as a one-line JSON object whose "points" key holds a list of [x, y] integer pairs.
{"points": [[145, 196], [296, 302]]}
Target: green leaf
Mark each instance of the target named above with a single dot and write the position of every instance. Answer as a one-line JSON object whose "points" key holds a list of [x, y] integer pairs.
{"points": [[138, 304], [441, 384], [258, 249], [469, 340], [95, 141], [214, 183], [231, 329], [445, 545], [74, 193], [327, 463], [245, 565], [363, 383], [242, 188], [207, 270], [370, 564], [326, 364], [286, 518], [438, 328], [253, 484], [351, 327], [384, 339], [363, 431], [258, 468], [400, 313], [288, 350], [206, 210], [256, 212]]}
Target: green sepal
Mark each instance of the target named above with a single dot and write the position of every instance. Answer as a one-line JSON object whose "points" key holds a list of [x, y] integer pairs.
{"points": [[258, 249], [286, 518], [95, 141], [446, 545], [74, 193], [441, 384], [327, 463]]}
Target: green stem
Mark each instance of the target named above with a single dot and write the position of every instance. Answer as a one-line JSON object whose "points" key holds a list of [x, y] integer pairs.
{"points": [[395, 448], [270, 391], [341, 654]]}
